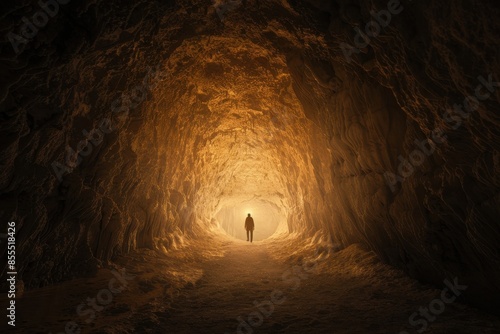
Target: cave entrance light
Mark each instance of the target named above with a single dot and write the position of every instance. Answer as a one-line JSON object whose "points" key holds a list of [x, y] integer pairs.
{"points": [[267, 216]]}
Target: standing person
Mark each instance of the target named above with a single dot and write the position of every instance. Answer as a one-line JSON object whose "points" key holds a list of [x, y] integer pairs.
{"points": [[249, 226]]}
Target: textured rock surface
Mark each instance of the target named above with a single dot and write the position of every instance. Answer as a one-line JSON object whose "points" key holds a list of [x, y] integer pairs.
{"points": [[213, 106]]}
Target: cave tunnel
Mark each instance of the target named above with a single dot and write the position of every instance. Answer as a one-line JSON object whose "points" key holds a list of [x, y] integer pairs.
{"points": [[361, 136]]}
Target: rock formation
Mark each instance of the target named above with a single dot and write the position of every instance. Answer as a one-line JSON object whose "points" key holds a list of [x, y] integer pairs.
{"points": [[129, 126]]}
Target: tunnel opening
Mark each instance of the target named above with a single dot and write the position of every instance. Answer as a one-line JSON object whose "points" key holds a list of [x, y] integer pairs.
{"points": [[269, 219]]}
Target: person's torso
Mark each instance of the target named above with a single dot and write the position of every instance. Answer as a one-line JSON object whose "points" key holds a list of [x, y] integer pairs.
{"points": [[249, 222]]}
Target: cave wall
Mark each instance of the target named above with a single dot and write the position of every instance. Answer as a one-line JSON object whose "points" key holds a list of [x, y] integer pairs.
{"points": [[189, 87], [436, 63]]}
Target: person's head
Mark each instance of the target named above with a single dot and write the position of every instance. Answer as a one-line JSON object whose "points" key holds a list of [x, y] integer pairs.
{"points": [[248, 215]]}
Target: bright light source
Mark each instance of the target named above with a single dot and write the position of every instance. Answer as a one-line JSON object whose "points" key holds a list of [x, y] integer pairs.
{"points": [[266, 217]]}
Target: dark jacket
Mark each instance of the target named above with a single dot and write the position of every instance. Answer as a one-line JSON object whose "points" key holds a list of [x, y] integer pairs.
{"points": [[249, 225]]}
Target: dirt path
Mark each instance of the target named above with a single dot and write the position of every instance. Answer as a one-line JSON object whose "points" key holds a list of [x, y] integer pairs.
{"points": [[231, 284], [255, 288], [226, 286]]}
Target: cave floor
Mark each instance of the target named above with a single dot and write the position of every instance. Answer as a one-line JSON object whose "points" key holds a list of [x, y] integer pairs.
{"points": [[296, 291]]}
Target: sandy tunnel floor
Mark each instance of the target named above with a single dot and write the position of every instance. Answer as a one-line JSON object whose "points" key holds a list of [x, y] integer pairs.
{"points": [[264, 287]]}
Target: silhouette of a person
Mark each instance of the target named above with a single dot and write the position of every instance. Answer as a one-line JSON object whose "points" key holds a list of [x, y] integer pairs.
{"points": [[249, 226]]}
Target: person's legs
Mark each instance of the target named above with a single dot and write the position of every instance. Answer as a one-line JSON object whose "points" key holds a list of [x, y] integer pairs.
{"points": [[248, 231], [251, 236]]}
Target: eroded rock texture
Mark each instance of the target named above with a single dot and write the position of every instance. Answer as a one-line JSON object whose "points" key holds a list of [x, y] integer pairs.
{"points": [[203, 106]]}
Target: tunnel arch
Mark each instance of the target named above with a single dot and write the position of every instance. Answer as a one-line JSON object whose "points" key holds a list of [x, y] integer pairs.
{"points": [[229, 104]]}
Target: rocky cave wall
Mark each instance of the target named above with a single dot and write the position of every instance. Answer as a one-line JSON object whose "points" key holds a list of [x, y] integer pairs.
{"points": [[202, 106], [440, 217]]}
